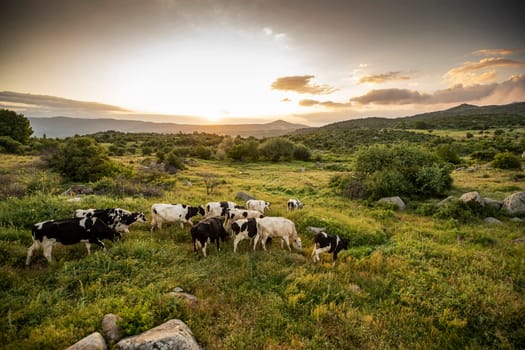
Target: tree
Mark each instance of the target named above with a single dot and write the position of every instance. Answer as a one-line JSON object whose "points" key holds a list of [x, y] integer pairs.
{"points": [[82, 159], [506, 160], [276, 148], [15, 126]]}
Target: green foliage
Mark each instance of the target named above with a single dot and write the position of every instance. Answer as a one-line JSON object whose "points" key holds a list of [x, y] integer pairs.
{"points": [[15, 125], [172, 163], [448, 153], [401, 170], [244, 151], [9, 145], [301, 152], [276, 148], [506, 160], [82, 159]]}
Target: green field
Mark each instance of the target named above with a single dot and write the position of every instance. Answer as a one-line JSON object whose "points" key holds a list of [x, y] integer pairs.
{"points": [[408, 281]]}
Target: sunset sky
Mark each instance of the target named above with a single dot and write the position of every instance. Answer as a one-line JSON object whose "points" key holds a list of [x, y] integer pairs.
{"points": [[238, 61]]}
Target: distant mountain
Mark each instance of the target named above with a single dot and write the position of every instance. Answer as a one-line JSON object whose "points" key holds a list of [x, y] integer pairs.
{"points": [[64, 126], [464, 116]]}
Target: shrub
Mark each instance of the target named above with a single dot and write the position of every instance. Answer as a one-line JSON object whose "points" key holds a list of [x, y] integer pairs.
{"points": [[301, 152], [401, 170], [173, 163], [448, 153], [276, 149], [82, 159], [15, 125], [506, 160]]}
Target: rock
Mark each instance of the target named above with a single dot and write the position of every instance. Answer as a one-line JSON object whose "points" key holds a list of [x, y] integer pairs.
{"points": [[492, 203], [445, 201], [76, 190], [515, 203], [94, 341], [515, 219], [519, 240], [397, 201], [472, 198], [178, 289], [111, 328], [173, 334], [492, 221], [243, 196], [190, 298]]}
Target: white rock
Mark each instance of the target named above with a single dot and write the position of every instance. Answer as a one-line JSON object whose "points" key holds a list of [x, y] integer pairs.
{"points": [[94, 341], [515, 203], [397, 201]]}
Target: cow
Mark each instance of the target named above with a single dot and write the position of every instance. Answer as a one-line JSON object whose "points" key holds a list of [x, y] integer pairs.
{"points": [[284, 228], [116, 218], [257, 204], [244, 229], [168, 213], [325, 243], [219, 208], [89, 230], [294, 204], [233, 215], [207, 230]]}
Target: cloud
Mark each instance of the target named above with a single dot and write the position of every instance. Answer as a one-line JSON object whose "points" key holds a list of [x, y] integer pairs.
{"points": [[509, 91], [302, 85], [384, 77], [490, 62], [44, 101], [496, 52], [327, 104]]}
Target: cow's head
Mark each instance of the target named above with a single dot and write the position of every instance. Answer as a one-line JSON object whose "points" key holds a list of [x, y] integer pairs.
{"points": [[344, 243], [297, 244], [201, 210]]}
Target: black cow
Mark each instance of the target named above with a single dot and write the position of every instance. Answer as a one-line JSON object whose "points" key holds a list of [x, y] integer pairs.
{"points": [[116, 218], [207, 230], [325, 243], [89, 230]]}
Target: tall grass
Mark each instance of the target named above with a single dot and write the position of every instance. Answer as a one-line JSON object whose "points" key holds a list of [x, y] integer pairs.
{"points": [[407, 281]]}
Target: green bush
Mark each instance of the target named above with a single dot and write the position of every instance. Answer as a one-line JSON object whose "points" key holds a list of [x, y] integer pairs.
{"points": [[401, 170], [15, 125], [506, 160], [82, 159], [9, 145]]}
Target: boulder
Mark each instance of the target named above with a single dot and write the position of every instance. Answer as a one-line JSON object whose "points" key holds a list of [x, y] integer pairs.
{"points": [[111, 328], [492, 221], [94, 341], [179, 293], [396, 201], [75, 190], [492, 203], [315, 230], [473, 198], [173, 334], [515, 203], [445, 201], [243, 196]]}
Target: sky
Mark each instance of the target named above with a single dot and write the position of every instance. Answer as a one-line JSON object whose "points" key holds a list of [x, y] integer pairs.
{"points": [[238, 61]]}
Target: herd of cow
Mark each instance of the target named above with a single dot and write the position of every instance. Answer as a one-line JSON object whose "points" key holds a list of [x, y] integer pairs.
{"points": [[221, 219]]}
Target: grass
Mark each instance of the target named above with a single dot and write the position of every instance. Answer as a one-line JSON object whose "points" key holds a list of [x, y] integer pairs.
{"points": [[408, 281]]}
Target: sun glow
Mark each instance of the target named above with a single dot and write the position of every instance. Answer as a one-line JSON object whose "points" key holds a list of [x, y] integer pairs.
{"points": [[227, 74]]}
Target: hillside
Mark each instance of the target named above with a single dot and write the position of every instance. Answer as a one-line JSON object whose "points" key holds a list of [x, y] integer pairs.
{"points": [[64, 126], [463, 117]]}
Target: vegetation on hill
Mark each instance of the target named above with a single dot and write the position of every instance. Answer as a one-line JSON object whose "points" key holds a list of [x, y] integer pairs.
{"points": [[426, 278]]}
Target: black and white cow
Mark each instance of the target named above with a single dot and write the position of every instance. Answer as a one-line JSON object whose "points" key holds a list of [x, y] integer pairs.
{"points": [[116, 218], [244, 229], [168, 213], [89, 230], [219, 208], [325, 243], [233, 215], [294, 204], [205, 231]]}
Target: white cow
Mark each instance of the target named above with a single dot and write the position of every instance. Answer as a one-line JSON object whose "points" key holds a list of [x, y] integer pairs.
{"points": [[277, 227], [167, 213], [257, 204]]}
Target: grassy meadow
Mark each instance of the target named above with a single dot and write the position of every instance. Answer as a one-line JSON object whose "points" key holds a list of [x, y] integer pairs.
{"points": [[408, 281]]}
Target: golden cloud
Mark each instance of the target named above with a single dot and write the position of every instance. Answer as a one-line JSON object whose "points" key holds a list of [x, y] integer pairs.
{"points": [[513, 88], [496, 52], [383, 78], [327, 104], [301, 84]]}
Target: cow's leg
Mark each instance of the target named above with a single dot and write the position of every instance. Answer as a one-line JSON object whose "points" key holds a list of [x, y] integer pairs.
{"points": [[30, 250], [263, 243], [255, 241], [322, 250], [88, 247], [204, 247], [286, 239], [196, 246], [48, 248], [181, 224], [238, 238]]}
